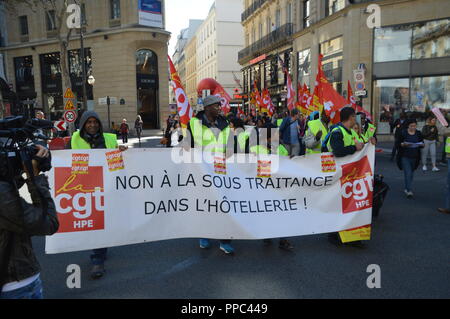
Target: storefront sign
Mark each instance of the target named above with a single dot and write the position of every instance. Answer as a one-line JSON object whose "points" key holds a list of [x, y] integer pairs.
{"points": [[150, 13], [258, 59]]}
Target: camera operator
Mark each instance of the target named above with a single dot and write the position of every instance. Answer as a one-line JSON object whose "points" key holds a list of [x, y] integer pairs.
{"points": [[19, 220]]}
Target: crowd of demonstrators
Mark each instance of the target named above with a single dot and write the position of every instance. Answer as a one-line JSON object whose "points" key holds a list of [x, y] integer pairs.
{"points": [[91, 136]]}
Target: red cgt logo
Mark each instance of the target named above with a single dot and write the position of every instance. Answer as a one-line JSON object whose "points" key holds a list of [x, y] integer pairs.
{"points": [[356, 186], [79, 199]]}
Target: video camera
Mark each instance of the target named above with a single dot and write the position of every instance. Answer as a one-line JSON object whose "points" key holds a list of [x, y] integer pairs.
{"points": [[18, 137]]}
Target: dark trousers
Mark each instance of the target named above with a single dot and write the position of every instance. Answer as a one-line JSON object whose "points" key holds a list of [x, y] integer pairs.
{"points": [[125, 138]]}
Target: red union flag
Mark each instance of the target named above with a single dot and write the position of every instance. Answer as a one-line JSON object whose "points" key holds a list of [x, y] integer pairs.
{"points": [[290, 92], [225, 99], [79, 199], [356, 186], [184, 108], [267, 101]]}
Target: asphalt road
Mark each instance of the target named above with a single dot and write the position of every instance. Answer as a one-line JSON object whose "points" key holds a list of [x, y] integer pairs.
{"points": [[410, 243]]}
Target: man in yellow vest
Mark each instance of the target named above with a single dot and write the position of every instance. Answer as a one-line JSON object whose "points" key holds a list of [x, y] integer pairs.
{"points": [[446, 210], [317, 130], [91, 136], [211, 132], [342, 142], [368, 130]]}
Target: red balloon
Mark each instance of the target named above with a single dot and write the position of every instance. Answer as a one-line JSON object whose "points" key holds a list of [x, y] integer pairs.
{"points": [[206, 84]]}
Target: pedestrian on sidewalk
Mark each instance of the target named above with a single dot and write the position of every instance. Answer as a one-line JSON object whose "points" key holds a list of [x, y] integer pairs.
{"points": [[398, 128], [409, 146], [124, 130], [431, 137], [138, 126]]}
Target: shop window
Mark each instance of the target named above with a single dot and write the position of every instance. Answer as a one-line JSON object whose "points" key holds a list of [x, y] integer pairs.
{"points": [[431, 39], [304, 66], [76, 72], [392, 44], [24, 74], [332, 61]]}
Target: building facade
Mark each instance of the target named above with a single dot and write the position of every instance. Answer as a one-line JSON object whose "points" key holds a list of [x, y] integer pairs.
{"points": [[219, 39], [406, 59], [191, 70], [125, 51], [180, 58]]}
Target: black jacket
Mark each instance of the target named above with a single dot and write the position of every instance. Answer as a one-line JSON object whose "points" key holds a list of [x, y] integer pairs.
{"points": [[401, 138], [19, 221], [337, 143]]}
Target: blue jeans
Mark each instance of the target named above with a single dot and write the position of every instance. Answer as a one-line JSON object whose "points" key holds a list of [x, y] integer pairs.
{"points": [[447, 201], [98, 256], [32, 291], [408, 169]]}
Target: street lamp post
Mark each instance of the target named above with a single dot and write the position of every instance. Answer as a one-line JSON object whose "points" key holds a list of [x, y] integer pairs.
{"points": [[84, 69]]}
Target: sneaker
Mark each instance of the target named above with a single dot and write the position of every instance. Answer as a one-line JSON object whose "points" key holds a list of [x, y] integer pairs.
{"points": [[227, 249], [444, 210], [435, 169], [285, 245], [406, 192], [98, 271], [410, 194], [204, 243], [424, 168]]}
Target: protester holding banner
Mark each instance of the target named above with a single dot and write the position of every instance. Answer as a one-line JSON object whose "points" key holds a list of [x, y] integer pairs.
{"points": [[91, 136], [409, 145], [342, 142], [211, 131], [368, 129]]}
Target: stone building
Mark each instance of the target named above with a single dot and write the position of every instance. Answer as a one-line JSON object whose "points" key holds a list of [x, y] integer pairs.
{"points": [[406, 58], [126, 52]]}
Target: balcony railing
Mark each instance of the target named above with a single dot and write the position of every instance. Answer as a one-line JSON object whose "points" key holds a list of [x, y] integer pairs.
{"points": [[274, 39], [256, 4]]}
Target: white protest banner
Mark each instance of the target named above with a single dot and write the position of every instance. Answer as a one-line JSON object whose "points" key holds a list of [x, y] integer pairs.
{"points": [[107, 198]]}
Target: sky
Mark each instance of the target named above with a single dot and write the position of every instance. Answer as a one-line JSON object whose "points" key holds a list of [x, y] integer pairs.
{"points": [[178, 13]]}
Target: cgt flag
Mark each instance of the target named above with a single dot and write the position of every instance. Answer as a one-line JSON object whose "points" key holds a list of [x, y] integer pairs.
{"points": [[224, 99], [184, 108]]}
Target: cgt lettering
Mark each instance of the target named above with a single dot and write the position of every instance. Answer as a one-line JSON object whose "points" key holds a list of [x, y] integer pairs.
{"points": [[356, 186], [80, 199], [81, 204]]}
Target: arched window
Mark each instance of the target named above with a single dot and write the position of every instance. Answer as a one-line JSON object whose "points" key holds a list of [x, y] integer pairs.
{"points": [[146, 62]]}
